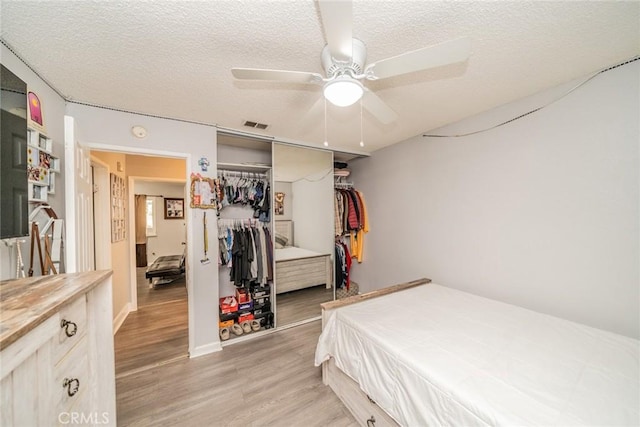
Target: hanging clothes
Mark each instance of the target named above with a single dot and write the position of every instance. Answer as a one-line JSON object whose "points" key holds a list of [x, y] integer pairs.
{"points": [[247, 189], [339, 212], [357, 240], [245, 250], [351, 219], [269, 245], [342, 265]]}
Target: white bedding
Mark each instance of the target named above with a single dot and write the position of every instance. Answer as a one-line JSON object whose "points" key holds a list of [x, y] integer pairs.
{"points": [[437, 356], [291, 252]]}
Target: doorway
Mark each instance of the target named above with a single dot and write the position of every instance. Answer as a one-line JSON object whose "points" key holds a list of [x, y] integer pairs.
{"points": [[151, 320]]}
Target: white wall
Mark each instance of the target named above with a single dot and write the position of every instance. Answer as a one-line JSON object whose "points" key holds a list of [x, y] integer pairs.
{"points": [[53, 110], [121, 250], [542, 212], [105, 130], [247, 155], [170, 233], [313, 211]]}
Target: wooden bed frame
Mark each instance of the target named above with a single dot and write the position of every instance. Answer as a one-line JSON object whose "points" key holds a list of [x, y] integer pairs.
{"points": [[301, 273], [364, 410]]}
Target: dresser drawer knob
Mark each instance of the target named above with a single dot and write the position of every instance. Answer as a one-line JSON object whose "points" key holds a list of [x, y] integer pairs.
{"points": [[371, 422], [70, 328], [72, 385]]}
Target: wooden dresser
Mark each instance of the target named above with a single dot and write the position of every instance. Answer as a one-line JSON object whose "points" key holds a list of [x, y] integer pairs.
{"points": [[56, 351]]}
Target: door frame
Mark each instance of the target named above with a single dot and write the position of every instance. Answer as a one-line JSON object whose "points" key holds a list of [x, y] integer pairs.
{"points": [[102, 238], [189, 255]]}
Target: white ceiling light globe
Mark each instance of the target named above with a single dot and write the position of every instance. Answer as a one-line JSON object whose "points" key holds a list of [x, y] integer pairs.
{"points": [[343, 91]]}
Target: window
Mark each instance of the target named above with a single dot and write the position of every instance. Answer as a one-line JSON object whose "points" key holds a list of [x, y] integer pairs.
{"points": [[151, 216]]}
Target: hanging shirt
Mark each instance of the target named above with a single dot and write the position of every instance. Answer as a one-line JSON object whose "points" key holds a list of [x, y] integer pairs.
{"points": [[253, 262], [357, 238], [338, 212], [258, 245], [269, 244]]}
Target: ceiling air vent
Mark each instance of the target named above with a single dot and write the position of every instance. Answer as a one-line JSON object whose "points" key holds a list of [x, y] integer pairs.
{"points": [[255, 125]]}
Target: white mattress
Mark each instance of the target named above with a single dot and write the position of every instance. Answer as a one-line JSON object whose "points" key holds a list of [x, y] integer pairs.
{"points": [[291, 252], [438, 356]]}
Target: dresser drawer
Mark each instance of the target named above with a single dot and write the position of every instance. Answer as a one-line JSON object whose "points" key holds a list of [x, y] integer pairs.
{"points": [[71, 378], [78, 412], [363, 409], [73, 327]]}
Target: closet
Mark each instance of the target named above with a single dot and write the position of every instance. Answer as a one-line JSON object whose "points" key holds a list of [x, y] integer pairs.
{"points": [[275, 228], [351, 225], [244, 230]]}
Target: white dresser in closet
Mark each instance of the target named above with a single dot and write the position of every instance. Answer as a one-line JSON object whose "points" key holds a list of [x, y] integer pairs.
{"points": [[56, 351]]}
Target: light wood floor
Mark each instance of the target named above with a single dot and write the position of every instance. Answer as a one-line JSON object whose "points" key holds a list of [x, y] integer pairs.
{"points": [[268, 381], [301, 304], [148, 295], [157, 332]]}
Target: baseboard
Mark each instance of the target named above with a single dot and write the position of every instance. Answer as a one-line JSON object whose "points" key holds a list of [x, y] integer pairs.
{"points": [[120, 318], [205, 349]]}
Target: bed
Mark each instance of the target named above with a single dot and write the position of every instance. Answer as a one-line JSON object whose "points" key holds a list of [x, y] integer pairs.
{"points": [[165, 269], [298, 268], [424, 354]]}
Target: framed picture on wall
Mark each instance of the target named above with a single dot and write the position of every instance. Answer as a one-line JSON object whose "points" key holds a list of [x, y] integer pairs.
{"points": [[118, 229], [173, 208], [35, 119], [279, 203]]}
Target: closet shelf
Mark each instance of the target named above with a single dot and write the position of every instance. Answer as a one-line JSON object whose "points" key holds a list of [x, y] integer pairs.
{"points": [[244, 167]]}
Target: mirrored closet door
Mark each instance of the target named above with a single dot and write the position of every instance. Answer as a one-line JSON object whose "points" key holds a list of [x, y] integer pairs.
{"points": [[304, 231]]}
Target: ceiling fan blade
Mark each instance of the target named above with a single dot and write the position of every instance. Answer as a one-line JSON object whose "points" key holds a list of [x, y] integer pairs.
{"points": [[378, 108], [337, 21], [421, 59], [276, 75]]}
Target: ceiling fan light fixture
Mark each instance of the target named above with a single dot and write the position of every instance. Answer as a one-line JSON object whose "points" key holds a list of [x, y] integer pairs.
{"points": [[343, 91]]}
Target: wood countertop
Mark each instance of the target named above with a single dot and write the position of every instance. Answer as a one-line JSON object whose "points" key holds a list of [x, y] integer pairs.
{"points": [[26, 303]]}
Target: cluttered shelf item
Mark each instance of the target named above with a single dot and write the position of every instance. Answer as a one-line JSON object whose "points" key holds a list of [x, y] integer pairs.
{"points": [[248, 310], [246, 252], [165, 269], [468, 360]]}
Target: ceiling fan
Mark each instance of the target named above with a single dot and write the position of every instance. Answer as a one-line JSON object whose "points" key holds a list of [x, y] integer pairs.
{"points": [[344, 59]]}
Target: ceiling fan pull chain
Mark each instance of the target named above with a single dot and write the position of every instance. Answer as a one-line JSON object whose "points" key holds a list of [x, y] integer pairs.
{"points": [[361, 137], [326, 143]]}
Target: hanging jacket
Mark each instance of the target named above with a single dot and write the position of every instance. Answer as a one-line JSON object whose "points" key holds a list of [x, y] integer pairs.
{"points": [[352, 217]]}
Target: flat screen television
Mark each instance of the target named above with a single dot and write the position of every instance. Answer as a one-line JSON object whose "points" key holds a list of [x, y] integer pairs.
{"points": [[14, 202]]}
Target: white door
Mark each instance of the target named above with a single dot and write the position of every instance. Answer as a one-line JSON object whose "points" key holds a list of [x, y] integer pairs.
{"points": [[78, 202]]}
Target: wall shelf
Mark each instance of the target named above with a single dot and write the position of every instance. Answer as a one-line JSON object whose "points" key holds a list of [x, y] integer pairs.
{"points": [[42, 166], [244, 167]]}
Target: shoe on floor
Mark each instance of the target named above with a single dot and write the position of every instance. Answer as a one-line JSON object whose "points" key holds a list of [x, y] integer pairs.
{"points": [[224, 334], [237, 329], [255, 325], [246, 327]]}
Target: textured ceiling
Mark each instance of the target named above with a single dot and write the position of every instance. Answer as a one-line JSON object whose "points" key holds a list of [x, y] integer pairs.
{"points": [[173, 58]]}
